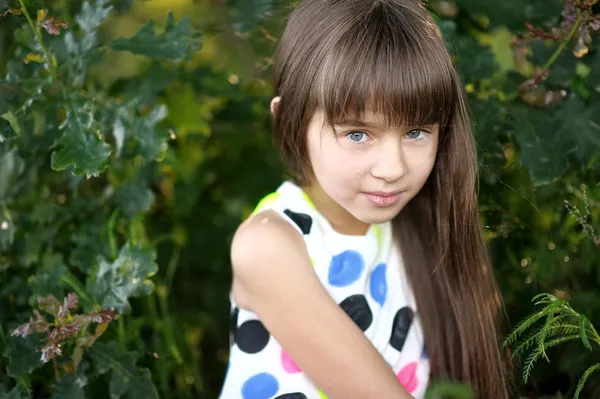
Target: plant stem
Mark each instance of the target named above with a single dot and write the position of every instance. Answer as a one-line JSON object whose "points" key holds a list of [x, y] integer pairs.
{"points": [[173, 263], [56, 372], [3, 338], [111, 234], [167, 324], [162, 238], [38, 37], [562, 46], [121, 333], [156, 323]]}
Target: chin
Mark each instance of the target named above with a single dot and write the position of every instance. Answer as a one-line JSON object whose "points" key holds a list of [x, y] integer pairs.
{"points": [[378, 216]]}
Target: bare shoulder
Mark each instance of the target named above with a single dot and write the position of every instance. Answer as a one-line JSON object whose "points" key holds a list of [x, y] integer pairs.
{"points": [[264, 248]]}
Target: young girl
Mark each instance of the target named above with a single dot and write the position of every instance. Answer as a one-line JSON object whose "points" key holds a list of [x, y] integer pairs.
{"points": [[366, 274]]}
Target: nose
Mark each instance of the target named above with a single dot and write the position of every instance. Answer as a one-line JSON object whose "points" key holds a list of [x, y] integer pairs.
{"points": [[389, 163]]}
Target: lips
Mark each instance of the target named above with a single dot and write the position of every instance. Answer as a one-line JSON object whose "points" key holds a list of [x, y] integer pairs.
{"points": [[383, 193], [383, 198]]}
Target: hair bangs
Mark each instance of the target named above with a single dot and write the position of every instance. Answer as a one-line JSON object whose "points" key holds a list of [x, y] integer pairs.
{"points": [[389, 69]]}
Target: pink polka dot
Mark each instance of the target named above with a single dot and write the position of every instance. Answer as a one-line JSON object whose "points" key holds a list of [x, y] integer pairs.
{"points": [[288, 364], [408, 377]]}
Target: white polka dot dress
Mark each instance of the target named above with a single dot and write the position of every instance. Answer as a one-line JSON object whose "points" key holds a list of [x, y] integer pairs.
{"points": [[364, 275]]}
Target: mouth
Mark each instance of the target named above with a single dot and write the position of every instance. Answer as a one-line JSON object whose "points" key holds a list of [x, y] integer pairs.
{"points": [[382, 198]]}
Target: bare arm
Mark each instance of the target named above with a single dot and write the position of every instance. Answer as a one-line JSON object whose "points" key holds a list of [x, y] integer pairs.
{"points": [[273, 277]]}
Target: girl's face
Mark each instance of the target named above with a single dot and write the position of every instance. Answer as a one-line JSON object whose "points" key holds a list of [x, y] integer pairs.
{"points": [[365, 173]]}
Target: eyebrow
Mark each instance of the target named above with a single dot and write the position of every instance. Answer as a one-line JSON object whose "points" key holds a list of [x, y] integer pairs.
{"points": [[373, 125], [358, 123]]}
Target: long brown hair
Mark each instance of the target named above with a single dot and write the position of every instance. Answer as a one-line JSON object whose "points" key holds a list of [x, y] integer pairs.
{"points": [[341, 56]]}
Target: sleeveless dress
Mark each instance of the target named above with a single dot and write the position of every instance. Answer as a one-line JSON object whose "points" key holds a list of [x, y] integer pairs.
{"points": [[364, 275]]}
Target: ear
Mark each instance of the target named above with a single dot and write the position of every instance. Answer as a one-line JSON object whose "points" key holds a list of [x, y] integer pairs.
{"points": [[274, 104]]}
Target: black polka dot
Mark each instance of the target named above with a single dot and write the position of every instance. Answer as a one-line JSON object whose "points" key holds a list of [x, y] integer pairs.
{"points": [[302, 220], [402, 322], [357, 307], [234, 320], [295, 395], [252, 336]]}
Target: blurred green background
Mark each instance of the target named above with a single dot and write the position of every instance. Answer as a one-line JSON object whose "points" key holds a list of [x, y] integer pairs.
{"points": [[179, 179]]}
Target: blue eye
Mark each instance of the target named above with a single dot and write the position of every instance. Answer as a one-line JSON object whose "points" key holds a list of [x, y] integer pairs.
{"points": [[357, 137], [414, 134]]}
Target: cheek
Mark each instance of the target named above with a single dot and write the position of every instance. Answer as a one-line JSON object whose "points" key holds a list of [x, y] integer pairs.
{"points": [[422, 163], [331, 162]]}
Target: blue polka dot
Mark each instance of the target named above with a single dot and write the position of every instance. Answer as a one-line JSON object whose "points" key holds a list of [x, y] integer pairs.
{"points": [[425, 355], [345, 268], [260, 386], [378, 284]]}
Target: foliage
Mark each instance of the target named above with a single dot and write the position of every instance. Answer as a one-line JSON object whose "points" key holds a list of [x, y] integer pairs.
{"points": [[65, 326], [133, 141], [561, 324]]}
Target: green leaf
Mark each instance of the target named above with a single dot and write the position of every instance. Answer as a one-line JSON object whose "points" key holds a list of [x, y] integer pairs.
{"points": [[146, 87], [583, 322], [474, 60], [47, 279], [91, 16], [15, 393], [75, 56], [584, 377], [71, 386], [88, 243], [246, 15], [142, 137], [449, 389], [23, 356], [126, 379], [489, 118], [562, 70], [536, 353], [134, 198], [513, 14], [127, 277], [593, 62], [82, 147], [45, 213], [7, 229], [15, 129], [11, 166], [546, 140], [583, 122], [175, 43]]}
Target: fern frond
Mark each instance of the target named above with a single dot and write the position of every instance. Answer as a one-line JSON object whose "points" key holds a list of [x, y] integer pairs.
{"points": [[547, 325], [562, 329], [534, 356], [592, 331], [546, 298], [562, 323], [524, 324], [521, 327], [584, 378], [528, 365], [583, 321], [526, 343]]}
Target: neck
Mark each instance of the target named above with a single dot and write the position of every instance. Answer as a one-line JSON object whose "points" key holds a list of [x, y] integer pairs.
{"points": [[339, 218]]}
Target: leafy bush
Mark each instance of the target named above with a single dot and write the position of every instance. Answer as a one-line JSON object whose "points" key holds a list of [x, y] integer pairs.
{"points": [[131, 149]]}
